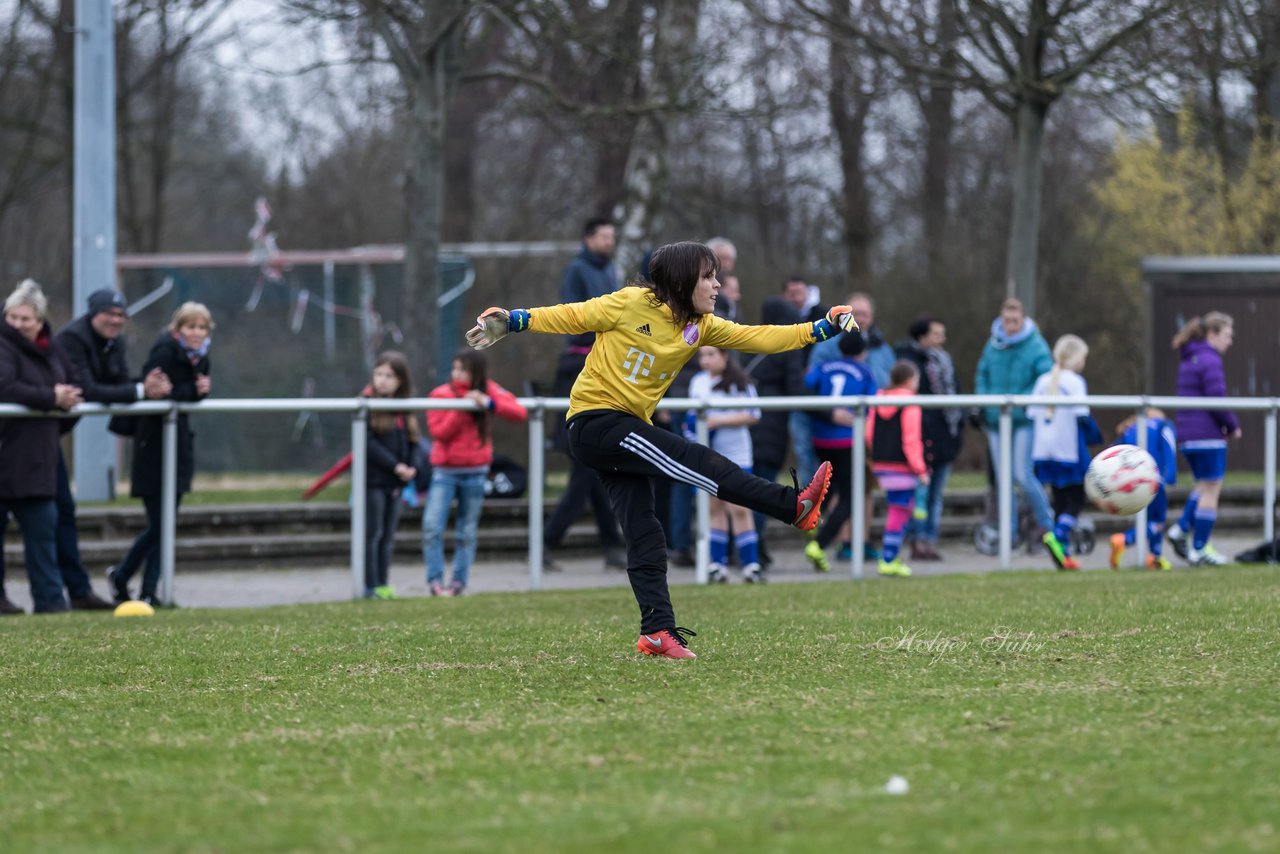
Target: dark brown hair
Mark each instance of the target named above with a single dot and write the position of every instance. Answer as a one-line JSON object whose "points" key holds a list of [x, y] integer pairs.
{"points": [[1198, 327], [385, 422], [478, 366], [674, 271], [734, 377], [901, 372]]}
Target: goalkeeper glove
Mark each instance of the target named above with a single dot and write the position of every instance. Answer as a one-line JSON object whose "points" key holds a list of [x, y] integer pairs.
{"points": [[838, 319], [494, 324]]}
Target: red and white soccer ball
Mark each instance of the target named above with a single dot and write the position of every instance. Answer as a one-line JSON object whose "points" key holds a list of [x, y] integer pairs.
{"points": [[1122, 480]]}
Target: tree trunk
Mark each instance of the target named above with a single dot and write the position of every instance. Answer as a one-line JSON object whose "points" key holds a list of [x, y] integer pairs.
{"points": [[938, 112], [424, 198], [849, 107], [639, 214], [1028, 177]]}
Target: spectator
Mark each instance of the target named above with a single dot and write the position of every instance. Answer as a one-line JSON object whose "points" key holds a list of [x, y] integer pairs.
{"points": [[1060, 444], [880, 356], [34, 372], [461, 451], [679, 506], [390, 443], [897, 456], [1162, 444], [775, 375], [97, 351], [181, 353], [797, 292], [1203, 433], [1012, 360], [729, 297], [833, 435], [730, 436], [942, 427], [590, 274]]}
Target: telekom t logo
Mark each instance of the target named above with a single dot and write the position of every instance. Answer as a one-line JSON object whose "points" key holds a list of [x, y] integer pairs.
{"points": [[635, 362]]}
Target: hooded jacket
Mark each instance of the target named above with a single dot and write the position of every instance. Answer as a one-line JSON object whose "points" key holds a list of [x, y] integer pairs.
{"points": [[912, 446], [587, 276], [1011, 365], [1200, 374], [456, 438]]}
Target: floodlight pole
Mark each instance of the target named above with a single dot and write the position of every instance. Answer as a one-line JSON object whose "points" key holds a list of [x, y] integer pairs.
{"points": [[94, 225]]}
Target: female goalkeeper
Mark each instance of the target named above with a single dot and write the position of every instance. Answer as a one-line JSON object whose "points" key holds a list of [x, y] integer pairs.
{"points": [[644, 335]]}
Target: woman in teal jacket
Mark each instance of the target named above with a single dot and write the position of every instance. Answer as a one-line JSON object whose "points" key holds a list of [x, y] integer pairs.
{"points": [[1014, 357]]}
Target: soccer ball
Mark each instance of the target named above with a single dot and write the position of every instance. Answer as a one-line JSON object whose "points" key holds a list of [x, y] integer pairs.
{"points": [[1122, 480]]}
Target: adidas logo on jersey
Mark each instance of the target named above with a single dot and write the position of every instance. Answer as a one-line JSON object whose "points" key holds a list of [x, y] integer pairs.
{"points": [[644, 330]]}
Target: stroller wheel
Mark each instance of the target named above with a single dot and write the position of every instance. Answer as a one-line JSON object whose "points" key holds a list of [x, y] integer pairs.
{"points": [[986, 539], [1084, 537]]}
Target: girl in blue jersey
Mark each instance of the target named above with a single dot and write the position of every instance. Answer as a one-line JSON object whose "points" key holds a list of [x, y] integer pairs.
{"points": [[833, 434], [1162, 444]]}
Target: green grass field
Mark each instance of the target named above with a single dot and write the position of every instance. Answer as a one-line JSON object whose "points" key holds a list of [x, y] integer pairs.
{"points": [[1028, 711]]}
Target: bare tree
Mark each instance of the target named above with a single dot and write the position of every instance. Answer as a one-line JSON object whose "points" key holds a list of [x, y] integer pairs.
{"points": [[1022, 56]]}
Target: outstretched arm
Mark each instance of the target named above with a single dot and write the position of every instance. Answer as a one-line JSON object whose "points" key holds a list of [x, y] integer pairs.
{"points": [[777, 339], [595, 315]]}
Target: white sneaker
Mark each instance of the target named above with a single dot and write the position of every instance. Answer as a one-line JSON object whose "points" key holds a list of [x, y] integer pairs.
{"points": [[1178, 539], [717, 574], [1207, 556], [753, 574]]}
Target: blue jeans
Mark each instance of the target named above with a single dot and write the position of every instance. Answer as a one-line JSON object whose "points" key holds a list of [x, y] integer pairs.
{"points": [[145, 548], [74, 575], [680, 530], [800, 426], [38, 519], [468, 488], [1024, 477], [926, 530]]}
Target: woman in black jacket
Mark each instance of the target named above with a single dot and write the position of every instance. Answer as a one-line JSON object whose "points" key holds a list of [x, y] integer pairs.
{"points": [[34, 372], [182, 353]]}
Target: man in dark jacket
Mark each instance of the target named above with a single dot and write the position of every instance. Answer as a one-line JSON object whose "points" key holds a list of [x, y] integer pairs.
{"points": [[93, 344], [775, 375], [590, 274]]}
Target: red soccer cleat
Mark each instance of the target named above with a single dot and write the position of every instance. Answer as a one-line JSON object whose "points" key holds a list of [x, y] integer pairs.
{"points": [[809, 500], [667, 643]]}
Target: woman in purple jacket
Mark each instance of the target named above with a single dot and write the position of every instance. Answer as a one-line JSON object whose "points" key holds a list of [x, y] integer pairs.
{"points": [[1203, 433]]}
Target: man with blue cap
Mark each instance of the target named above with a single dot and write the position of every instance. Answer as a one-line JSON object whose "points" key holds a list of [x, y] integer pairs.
{"points": [[93, 344]]}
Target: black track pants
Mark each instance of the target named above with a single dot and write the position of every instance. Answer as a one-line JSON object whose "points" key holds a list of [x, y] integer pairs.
{"points": [[628, 453]]}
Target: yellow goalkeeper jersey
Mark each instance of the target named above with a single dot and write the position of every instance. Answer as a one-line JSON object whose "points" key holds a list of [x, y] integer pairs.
{"points": [[639, 349]]}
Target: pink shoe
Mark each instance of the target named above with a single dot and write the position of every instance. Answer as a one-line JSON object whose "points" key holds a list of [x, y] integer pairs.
{"points": [[667, 643]]}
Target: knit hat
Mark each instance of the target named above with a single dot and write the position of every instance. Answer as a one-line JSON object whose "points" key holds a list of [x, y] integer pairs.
{"points": [[105, 300]]}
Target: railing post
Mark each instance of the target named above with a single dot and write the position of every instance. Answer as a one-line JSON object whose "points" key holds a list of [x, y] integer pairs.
{"points": [[858, 516], [168, 503], [1140, 544], [1004, 485], [702, 501], [359, 433], [537, 487], [1269, 476]]}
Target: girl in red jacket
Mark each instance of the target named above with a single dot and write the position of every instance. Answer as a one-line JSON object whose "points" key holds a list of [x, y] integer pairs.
{"points": [[897, 458], [460, 456]]}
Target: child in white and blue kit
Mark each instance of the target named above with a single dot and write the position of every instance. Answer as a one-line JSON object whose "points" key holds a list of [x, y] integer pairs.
{"points": [[722, 377]]}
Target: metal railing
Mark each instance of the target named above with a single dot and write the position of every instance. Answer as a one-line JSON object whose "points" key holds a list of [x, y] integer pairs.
{"points": [[359, 409]]}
